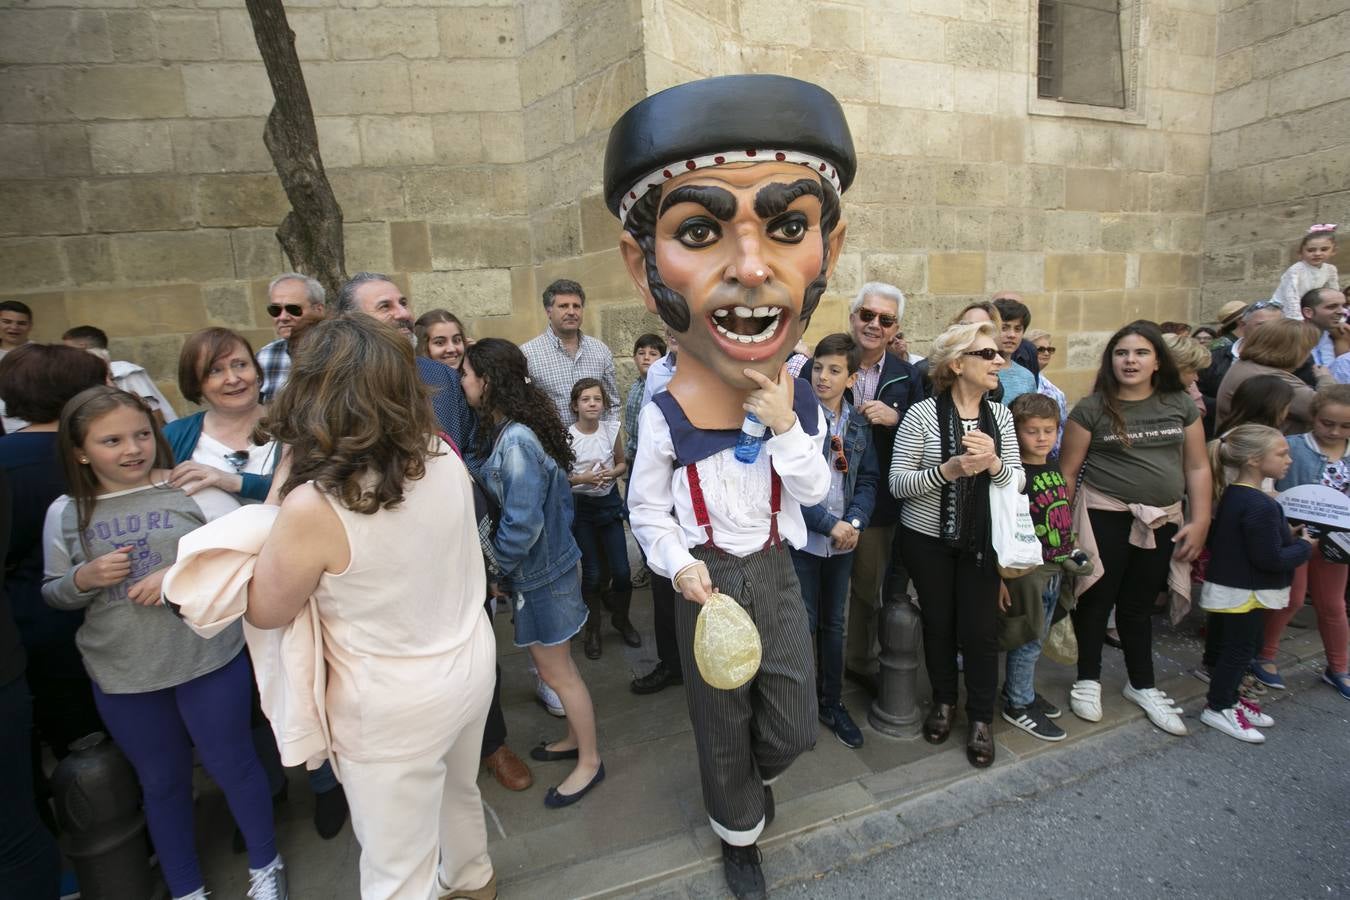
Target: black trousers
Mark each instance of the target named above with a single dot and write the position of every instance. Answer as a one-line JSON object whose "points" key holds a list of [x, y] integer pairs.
{"points": [[958, 602], [663, 623], [1132, 578], [1235, 638]]}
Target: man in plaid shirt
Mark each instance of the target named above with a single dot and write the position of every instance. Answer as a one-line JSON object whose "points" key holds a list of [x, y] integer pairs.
{"points": [[294, 302], [562, 355]]}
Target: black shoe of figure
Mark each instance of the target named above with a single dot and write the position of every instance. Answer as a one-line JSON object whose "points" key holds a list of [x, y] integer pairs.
{"points": [[627, 632], [836, 718], [330, 812], [740, 866], [657, 679]]}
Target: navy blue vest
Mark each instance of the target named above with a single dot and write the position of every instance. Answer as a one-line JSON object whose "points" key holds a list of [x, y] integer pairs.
{"points": [[694, 444]]}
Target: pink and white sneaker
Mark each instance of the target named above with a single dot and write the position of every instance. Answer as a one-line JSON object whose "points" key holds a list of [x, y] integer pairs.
{"points": [[1252, 710], [1232, 722]]}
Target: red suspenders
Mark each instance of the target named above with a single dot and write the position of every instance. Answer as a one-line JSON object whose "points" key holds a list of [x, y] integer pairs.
{"points": [[701, 507]]}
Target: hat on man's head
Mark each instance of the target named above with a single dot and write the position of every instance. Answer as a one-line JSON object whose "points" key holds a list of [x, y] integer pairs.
{"points": [[732, 118], [1231, 310]]}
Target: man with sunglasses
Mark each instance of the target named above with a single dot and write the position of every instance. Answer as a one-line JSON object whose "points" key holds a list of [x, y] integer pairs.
{"points": [[886, 388], [294, 302], [1221, 358]]}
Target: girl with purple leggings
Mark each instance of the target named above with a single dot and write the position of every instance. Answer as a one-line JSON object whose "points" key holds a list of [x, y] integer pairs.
{"points": [[159, 687]]}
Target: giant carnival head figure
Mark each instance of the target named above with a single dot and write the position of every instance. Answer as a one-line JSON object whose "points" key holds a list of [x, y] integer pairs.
{"points": [[728, 192]]}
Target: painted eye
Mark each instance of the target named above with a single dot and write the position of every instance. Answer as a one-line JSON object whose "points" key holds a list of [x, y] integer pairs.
{"points": [[790, 230], [697, 233]]}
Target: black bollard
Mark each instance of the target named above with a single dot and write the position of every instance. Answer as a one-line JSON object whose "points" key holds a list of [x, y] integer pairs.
{"points": [[895, 712], [98, 803]]}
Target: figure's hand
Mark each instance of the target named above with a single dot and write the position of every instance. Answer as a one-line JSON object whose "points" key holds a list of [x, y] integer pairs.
{"points": [[772, 402], [843, 536], [1190, 540], [694, 582], [147, 591], [1004, 598], [191, 477], [104, 571], [878, 413]]}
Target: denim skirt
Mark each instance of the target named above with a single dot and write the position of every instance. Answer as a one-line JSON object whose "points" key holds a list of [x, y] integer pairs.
{"points": [[552, 613]]}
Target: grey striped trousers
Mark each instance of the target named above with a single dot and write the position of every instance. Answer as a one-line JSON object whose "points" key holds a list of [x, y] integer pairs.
{"points": [[749, 736]]}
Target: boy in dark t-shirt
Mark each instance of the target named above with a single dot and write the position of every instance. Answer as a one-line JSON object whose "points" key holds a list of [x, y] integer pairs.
{"points": [[1033, 597]]}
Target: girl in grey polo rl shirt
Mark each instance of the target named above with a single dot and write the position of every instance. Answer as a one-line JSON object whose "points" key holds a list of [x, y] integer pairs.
{"points": [[159, 687]]}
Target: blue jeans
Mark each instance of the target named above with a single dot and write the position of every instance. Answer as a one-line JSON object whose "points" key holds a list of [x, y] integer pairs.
{"points": [[1019, 679], [30, 866], [824, 581], [157, 731], [598, 529]]}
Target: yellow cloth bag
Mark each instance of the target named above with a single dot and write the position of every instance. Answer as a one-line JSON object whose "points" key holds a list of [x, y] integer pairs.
{"points": [[726, 643]]}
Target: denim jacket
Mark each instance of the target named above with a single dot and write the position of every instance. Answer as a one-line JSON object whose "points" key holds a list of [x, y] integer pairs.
{"points": [[533, 542], [860, 482], [1309, 466]]}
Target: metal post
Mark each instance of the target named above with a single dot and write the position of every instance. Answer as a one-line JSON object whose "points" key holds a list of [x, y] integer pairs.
{"points": [[895, 712]]}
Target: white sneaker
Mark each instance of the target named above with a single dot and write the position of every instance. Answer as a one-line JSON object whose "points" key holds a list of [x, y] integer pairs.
{"points": [[1233, 722], [1085, 699], [269, 882], [1251, 710], [548, 697], [199, 894], [1158, 707]]}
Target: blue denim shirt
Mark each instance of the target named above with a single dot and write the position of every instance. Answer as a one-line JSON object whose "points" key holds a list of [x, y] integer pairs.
{"points": [[1309, 466], [533, 542], [860, 482]]}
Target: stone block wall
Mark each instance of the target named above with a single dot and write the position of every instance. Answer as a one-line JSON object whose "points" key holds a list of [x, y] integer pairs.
{"points": [[1281, 150], [464, 139], [963, 188]]}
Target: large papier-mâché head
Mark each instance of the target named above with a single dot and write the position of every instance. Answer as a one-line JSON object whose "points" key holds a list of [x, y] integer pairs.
{"points": [[728, 189]]}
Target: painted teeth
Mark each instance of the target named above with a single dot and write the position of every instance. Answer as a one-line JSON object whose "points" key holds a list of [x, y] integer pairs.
{"points": [[746, 338], [720, 313], [743, 312]]}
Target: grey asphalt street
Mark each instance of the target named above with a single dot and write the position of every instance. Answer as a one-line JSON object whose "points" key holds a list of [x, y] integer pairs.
{"points": [[1203, 816]]}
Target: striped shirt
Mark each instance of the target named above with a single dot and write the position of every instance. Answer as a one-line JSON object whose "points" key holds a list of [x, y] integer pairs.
{"points": [[914, 475]]}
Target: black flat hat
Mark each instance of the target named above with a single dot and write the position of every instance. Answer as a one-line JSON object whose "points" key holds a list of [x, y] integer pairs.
{"points": [[736, 117]]}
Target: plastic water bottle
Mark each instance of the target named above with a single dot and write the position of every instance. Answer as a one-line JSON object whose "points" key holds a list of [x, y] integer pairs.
{"points": [[751, 436]]}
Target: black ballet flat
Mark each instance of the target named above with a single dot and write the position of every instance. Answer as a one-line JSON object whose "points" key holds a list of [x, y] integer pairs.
{"points": [[543, 754], [555, 800]]}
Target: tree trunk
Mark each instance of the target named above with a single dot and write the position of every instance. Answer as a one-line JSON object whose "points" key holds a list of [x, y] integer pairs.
{"points": [[311, 234]]}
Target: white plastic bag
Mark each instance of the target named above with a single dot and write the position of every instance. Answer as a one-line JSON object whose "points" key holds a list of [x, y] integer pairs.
{"points": [[1016, 547], [726, 643]]}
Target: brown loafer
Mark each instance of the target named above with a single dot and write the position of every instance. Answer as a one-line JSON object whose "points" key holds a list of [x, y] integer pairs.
{"points": [[486, 892], [980, 745], [938, 723], [509, 770]]}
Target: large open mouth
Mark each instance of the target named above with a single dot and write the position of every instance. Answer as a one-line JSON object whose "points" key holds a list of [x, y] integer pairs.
{"points": [[746, 324]]}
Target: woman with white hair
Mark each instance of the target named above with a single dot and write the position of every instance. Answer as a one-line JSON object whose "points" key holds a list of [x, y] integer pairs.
{"points": [[948, 451]]}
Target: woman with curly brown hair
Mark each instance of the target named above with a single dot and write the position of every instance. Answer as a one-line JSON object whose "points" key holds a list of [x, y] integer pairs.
{"points": [[526, 456], [377, 525]]}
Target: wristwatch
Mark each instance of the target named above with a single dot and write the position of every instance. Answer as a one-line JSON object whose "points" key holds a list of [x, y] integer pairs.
{"points": [[856, 523]]}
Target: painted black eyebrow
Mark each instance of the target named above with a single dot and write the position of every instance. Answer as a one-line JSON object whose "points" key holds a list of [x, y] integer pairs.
{"points": [[718, 201], [774, 199]]}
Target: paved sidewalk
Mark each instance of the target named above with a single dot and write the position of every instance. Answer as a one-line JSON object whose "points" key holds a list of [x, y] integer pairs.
{"points": [[644, 830]]}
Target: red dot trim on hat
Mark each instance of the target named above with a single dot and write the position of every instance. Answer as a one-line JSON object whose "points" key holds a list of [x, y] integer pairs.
{"points": [[690, 165], [719, 159], [780, 156], [750, 152], [666, 172]]}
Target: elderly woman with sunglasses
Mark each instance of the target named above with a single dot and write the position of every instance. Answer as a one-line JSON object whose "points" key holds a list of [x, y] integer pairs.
{"points": [[1045, 354], [948, 451]]}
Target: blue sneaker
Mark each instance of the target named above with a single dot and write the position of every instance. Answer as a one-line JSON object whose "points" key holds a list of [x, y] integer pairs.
{"points": [[70, 885], [1264, 671], [837, 719], [1339, 680]]}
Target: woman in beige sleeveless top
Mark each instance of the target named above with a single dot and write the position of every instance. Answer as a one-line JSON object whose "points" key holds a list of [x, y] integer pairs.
{"points": [[377, 524]]}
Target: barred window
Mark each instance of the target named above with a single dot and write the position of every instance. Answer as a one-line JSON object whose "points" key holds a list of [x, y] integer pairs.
{"points": [[1082, 50]]}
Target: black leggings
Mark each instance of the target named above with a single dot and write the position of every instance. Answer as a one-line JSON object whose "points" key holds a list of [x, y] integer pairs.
{"points": [[1236, 638], [1132, 578], [958, 602]]}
